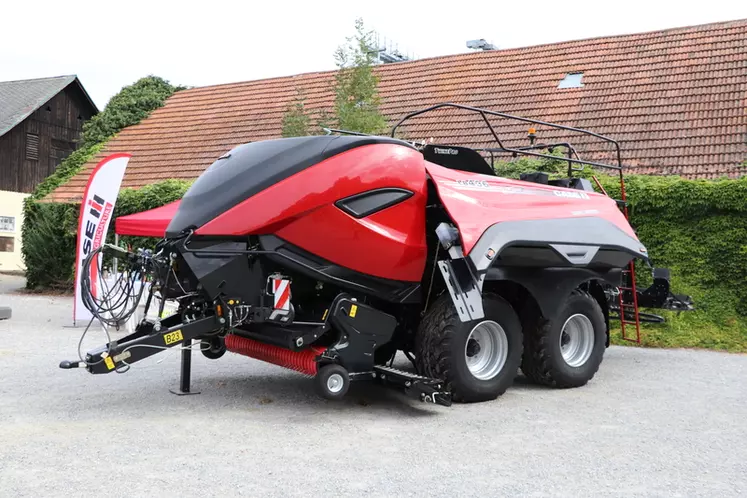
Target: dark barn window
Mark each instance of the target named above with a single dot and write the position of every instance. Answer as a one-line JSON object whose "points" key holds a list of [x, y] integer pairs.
{"points": [[32, 147]]}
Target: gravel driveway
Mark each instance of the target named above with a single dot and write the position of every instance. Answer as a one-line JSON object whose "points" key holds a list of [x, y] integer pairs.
{"points": [[651, 423]]}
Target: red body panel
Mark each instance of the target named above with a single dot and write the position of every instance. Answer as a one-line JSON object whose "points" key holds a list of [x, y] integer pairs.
{"points": [[300, 209], [476, 202]]}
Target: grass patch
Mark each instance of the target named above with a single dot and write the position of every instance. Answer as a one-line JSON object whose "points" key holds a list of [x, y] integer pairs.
{"points": [[692, 329]]}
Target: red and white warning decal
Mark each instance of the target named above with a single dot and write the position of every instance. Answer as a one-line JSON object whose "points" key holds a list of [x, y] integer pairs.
{"points": [[281, 291]]}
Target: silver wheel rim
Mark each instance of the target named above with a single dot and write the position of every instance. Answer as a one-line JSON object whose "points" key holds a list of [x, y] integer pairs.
{"points": [[577, 340], [486, 350], [335, 383]]}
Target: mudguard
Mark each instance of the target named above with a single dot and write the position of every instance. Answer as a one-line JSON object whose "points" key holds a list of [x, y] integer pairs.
{"points": [[493, 214], [548, 239]]}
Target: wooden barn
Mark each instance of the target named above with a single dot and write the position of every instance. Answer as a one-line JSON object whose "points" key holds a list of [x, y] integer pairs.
{"points": [[40, 123]]}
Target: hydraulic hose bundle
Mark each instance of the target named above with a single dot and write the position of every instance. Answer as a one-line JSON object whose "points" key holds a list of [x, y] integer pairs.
{"points": [[113, 302]]}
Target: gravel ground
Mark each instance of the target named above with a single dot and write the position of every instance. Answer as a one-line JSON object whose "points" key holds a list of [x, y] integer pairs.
{"points": [[651, 423]]}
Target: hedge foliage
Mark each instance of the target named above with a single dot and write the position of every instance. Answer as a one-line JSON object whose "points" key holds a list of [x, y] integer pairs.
{"points": [[48, 244], [698, 229], [130, 106]]}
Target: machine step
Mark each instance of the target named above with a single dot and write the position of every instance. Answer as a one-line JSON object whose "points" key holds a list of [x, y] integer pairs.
{"points": [[384, 370], [426, 389]]}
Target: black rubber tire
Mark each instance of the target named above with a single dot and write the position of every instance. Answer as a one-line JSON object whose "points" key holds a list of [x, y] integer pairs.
{"points": [[324, 374], [543, 361], [213, 347], [440, 344]]}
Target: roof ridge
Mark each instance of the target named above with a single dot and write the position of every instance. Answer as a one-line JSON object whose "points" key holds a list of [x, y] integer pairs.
{"points": [[36, 95], [638, 33], [41, 79], [488, 53], [270, 78]]}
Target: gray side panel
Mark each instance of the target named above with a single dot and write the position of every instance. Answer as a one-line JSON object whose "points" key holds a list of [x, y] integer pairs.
{"points": [[464, 292], [576, 254], [589, 231]]}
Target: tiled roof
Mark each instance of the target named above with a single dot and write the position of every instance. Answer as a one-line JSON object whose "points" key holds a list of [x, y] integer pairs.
{"points": [[18, 99], [675, 99]]}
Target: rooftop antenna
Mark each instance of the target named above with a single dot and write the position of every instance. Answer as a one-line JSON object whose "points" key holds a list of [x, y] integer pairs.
{"points": [[480, 44], [388, 51]]}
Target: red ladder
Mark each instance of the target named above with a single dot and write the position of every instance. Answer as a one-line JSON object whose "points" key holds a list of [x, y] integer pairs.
{"points": [[628, 282], [627, 277]]}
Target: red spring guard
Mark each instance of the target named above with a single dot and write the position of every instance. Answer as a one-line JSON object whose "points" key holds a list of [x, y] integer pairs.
{"points": [[300, 361]]}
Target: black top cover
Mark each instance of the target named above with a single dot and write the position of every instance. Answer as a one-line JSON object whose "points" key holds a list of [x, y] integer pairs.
{"points": [[251, 168], [459, 158]]}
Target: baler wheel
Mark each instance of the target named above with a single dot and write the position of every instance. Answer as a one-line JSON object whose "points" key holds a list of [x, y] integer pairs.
{"points": [[566, 352], [332, 381], [213, 347], [478, 360]]}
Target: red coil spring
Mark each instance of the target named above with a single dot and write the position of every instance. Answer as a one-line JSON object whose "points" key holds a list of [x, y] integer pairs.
{"points": [[300, 361]]}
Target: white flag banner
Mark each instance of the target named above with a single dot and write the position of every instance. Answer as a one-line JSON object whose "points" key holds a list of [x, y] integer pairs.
{"points": [[95, 214]]}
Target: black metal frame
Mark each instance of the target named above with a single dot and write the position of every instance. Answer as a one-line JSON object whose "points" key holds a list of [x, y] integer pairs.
{"points": [[571, 151], [147, 341], [523, 150]]}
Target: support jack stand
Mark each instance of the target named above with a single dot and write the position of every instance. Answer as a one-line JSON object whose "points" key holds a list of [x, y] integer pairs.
{"points": [[186, 373]]}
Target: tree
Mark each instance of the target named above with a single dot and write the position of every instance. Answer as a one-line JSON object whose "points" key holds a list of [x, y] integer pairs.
{"points": [[295, 119], [356, 95]]}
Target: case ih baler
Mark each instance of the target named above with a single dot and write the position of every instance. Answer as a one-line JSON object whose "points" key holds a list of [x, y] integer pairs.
{"points": [[329, 254]]}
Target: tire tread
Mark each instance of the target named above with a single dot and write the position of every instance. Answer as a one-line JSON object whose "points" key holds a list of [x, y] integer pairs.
{"points": [[433, 347], [536, 362]]}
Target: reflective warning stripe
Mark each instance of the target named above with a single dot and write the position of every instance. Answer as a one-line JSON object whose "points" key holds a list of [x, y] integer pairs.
{"points": [[281, 291]]}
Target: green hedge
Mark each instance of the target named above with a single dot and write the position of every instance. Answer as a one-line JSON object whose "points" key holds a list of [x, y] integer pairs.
{"points": [[698, 229], [46, 229], [49, 243]]}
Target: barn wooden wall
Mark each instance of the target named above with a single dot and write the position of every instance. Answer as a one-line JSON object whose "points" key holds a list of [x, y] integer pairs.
{"points": [[58, 125]]}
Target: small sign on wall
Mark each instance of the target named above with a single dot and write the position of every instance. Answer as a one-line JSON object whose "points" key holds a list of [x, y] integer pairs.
{"points": [[7, 223]]}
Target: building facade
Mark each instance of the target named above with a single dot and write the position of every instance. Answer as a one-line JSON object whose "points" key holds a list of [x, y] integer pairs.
{"points": [[41, 121]]}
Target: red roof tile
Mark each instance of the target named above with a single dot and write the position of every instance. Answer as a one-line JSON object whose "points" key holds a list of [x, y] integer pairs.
{"points": [[675, 100]]}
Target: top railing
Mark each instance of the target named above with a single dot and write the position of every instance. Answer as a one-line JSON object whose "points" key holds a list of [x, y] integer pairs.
{"points": [[527, 151]]}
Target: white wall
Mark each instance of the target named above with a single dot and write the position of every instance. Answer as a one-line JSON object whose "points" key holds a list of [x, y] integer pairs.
{"points": [[11, 206]]}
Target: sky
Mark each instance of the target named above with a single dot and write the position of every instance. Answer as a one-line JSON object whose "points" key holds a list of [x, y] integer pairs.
{"points": [[111, 44]]}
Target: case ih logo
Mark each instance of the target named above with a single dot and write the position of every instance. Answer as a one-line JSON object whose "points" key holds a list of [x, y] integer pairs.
{"points": [[94, 231]]}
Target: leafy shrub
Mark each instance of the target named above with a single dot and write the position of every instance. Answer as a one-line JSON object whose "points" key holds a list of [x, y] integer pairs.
{"points": [[49, 247], [130, 106]]}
